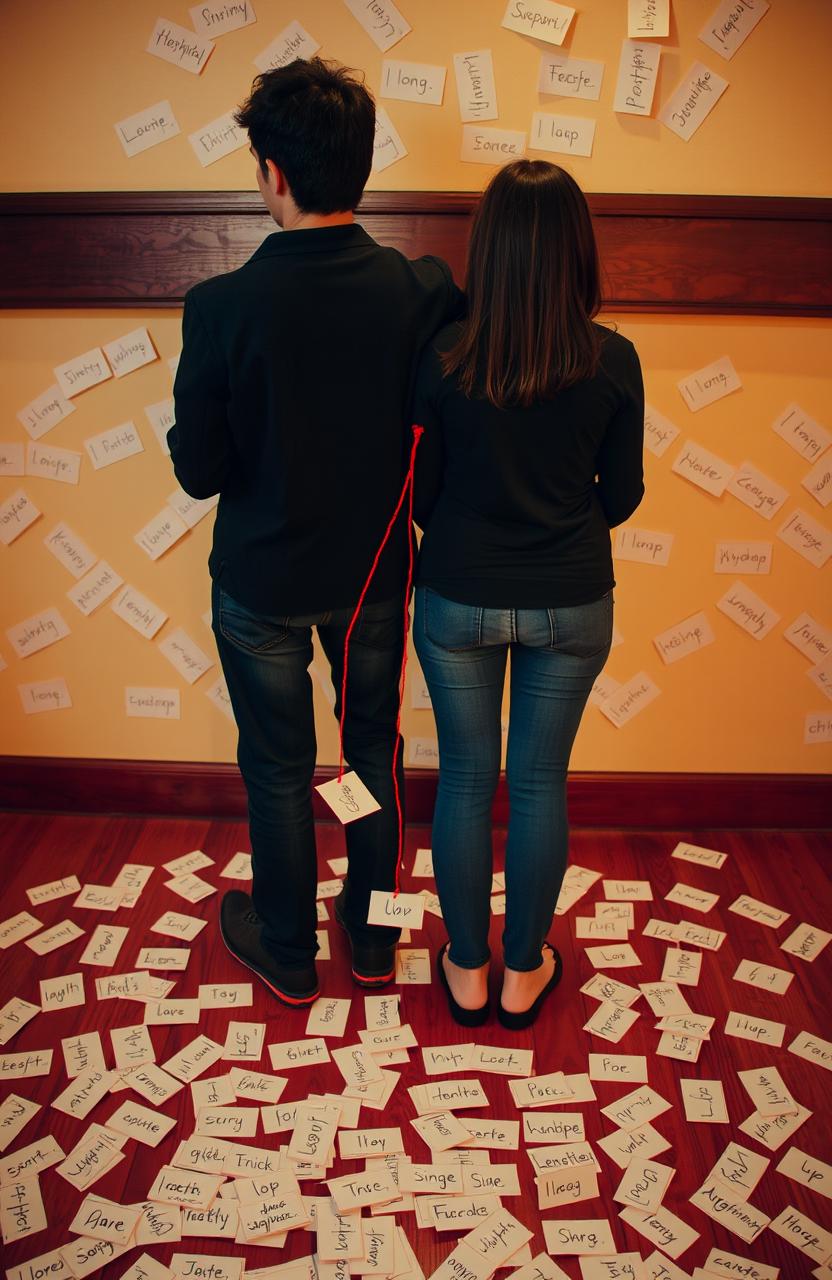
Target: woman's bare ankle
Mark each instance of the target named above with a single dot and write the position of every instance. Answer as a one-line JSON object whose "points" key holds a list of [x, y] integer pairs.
{"points": [[469, 987], [522, 987]]}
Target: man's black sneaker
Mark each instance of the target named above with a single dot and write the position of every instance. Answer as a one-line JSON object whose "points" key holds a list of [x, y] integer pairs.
{"points": [[241, 928], [373, 965]]}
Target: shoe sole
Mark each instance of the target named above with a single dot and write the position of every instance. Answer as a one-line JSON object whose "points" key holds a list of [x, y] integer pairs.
{"points": [[291, 1002], [365, 979]]}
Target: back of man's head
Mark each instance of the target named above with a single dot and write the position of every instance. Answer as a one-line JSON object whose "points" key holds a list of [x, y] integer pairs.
{"points": [[316, 121]]}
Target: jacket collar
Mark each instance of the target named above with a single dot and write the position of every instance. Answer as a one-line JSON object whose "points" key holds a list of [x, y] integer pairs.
{"points": [[348, 235]]}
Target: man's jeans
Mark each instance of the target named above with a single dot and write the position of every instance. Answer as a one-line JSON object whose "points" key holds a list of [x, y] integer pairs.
{"points": [[265, 660], [556, 655]]}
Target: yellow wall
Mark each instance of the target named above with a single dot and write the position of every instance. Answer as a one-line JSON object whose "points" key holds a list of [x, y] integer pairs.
{"points": [[73, 70], [737, 705]]}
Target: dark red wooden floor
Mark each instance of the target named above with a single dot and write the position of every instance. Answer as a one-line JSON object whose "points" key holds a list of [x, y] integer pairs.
{"points": [[788, 870]]}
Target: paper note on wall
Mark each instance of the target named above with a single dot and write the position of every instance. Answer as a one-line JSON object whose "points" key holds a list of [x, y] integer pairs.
{"points": [[702, 468], [708, 384], [69, 550], [130, 352], [762, 494], [293, 42], [179, 46], [147, 128], [809, 637], [644, 546], [420, 82], [160, 417], [818, 481], [566, 77], [806, 436], [44, 695], [45, 412], [693, 100], [748, 611], [50, 463], [475, 85], [82, 372], [570, 135], [217, 17], [388, 146], [731, 24], [11, 458], [684, 638], [185, 655], [17, 513], [807, 537], [218, 138], [638, 69], [742, 557], [481, 145], [94, 588], [817, 728], [382, 21], [161, 533], [114, 445], [648, 18], [37, 632], [158, 704], [138, 612], [540, 19], [629, 699]]}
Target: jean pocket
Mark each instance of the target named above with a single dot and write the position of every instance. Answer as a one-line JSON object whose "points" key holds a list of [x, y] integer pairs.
{"points": [[583, 630], [451, 625], [253, 632]]}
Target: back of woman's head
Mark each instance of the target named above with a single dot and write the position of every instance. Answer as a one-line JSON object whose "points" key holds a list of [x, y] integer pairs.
{"points": [[533, 287]]}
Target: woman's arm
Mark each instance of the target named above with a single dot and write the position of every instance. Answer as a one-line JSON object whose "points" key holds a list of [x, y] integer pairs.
{"points": [[620, 483]]}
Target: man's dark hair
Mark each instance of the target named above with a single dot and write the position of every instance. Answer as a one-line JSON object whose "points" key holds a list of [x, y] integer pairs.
{"points": [[316, 121]]}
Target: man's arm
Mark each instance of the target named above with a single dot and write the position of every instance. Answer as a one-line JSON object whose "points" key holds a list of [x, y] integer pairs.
{"points": [[200, 439]]}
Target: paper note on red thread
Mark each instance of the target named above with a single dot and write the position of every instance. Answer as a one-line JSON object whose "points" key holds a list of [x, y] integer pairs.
{"points": [[396, 909], [348, 798]]}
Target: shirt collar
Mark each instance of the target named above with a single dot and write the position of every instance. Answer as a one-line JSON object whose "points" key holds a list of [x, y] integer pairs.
{"points": [[347, 235]]}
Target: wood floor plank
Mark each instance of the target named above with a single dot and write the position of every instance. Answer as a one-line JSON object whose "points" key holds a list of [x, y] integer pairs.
{"points": [[786, 869]]}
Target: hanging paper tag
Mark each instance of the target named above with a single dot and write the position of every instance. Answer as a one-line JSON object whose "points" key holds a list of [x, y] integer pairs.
{"points": [[396, 909], [348, 798]]}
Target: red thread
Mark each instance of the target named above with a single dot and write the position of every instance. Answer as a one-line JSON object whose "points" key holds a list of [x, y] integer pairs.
{"points": [[407, 492]]}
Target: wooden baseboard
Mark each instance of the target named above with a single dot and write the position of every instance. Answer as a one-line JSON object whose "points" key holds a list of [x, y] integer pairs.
{"points": [[664, 801]]}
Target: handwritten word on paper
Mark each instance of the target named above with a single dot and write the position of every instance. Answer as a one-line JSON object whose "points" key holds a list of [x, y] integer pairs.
{"points": [[382, 21], [293, 42], [138, 612], [69, 550], [388, 146], [704, 1101], [693, 100], [348, 798], [572, 135], [566, 77], [45, 695], [630, 698], [638, 69], [756, 490], [396, 909], [709, 384], [481, 145], [185, 655], [818, 481], [684, 638], [220, 16], [95, 588], [648, 18], [17, 513], [412, 82], [817, 728], [702, 468], [45, 412], [50, 463], [475, 85], [806, 437], [218, 138], [731, 24], [659, 432], [748, 611], [37, 632], [147, 128], [541, 19], [82, 372], [145, 702], [742, 557], [11, 458], [160, 417], [807, 537], [179, 46], [806, 941], [114, 445], [643, 546]]}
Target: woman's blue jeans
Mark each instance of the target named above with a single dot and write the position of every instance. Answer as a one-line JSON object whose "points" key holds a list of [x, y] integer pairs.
{"points": [[556, 656]]}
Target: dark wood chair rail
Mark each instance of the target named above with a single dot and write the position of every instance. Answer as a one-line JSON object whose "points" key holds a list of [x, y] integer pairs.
{"points": [[743, 255]]}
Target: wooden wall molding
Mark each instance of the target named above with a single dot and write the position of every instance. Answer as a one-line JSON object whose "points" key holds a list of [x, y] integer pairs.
{"points": [[659, 801], [743, 255]]}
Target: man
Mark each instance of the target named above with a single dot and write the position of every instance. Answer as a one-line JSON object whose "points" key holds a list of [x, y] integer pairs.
{"points": [[291, 400]]}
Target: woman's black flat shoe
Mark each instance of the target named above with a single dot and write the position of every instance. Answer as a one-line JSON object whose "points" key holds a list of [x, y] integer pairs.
{"points": [[465, 1017], [519, 1021]]}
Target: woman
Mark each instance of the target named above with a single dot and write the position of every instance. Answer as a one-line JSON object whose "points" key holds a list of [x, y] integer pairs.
{"points": [[533, 419]]}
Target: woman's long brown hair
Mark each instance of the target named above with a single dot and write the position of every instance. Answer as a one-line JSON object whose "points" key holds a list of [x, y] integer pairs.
{"points": [[533, 286]]}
